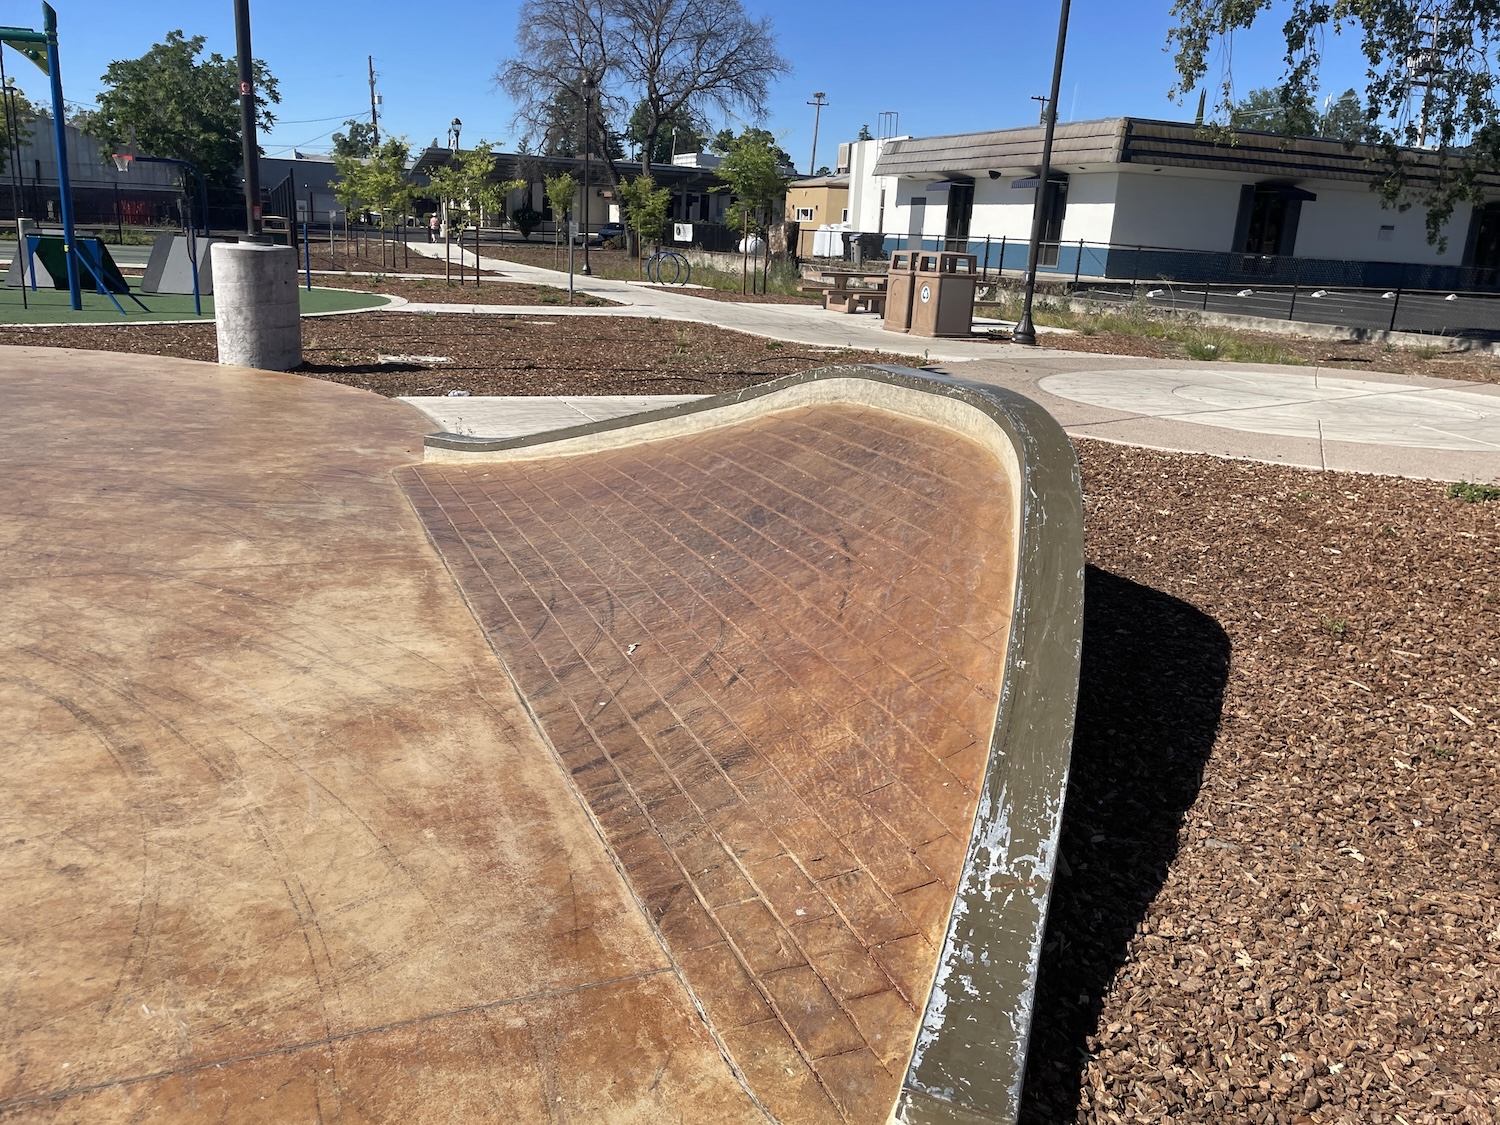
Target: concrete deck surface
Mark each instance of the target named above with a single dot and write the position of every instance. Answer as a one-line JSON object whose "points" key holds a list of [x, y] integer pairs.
{"points": [[285, 841], [281, 842]]}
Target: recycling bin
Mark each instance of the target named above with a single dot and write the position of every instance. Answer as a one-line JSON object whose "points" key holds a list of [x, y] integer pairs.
{"points": [[943, 284], [899, 290]]}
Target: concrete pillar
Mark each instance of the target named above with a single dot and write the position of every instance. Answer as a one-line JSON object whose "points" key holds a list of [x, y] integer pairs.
{"points": [[256, 310]]}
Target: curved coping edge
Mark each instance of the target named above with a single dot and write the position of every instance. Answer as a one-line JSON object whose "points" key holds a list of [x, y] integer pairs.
{"points": [[969, 1058]]}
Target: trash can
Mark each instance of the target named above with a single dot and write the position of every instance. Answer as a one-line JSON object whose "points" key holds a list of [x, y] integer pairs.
{"points": [[943, 298], [899, 290]]}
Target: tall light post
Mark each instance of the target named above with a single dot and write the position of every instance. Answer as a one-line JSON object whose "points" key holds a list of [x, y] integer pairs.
{"points": [[1025, 332], [247, 117], [817, 103], [588, 133]]}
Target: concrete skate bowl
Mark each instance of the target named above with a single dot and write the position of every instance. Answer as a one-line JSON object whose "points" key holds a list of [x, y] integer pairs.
{"points": [[809, 655]]}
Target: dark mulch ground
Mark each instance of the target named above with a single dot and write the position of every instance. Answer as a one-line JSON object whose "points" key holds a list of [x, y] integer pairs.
{"points": [[1478, 367], [1281, 894], [495, 354], [438, 291], [356, 258]]}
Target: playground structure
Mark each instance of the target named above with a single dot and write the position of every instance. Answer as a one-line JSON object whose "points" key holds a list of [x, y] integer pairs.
{"points": [[41, 48]]}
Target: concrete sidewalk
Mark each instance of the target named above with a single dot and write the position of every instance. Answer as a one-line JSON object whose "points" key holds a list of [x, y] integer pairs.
{"points": [[1312, 417]]}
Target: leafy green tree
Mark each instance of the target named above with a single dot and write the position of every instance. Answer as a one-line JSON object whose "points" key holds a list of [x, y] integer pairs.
{"points": [[689, 136], [174, 103], [358, 141], [25, 118], [752, 169], [646, 207], [1430, 83], [467, 186], [562, 190], [377, 182], [1265, 111], [1344, 119], [725, 140]]}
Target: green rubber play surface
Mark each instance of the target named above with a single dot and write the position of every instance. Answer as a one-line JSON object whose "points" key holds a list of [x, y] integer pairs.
{"points": [[50, 306]]}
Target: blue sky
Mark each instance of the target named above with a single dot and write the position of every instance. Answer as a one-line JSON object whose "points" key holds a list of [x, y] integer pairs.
{"points": [[944, 65]]}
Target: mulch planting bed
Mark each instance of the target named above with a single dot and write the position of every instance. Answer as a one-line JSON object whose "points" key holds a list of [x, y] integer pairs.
{"points": [[1478, 367], [1280, 898], [438, 291], [356, 259], [494, 354]]}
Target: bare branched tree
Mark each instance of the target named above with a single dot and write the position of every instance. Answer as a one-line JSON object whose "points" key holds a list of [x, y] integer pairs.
{"points": [[674, 59], [686, 58]]}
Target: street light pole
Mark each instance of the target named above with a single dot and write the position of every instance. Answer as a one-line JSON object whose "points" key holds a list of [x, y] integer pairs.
{"points": [[818, 103], [247, 118], [588, 130], [1025, 332]]}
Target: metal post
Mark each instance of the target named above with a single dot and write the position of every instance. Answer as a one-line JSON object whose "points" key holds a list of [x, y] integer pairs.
{"points": [[17, 188], [1078, 266], [984, 271], [1396, 304], [1025, 332], [588, 132], [1296, 280], [64, 182], [307, 257], [1135, 274], [248, 140]]}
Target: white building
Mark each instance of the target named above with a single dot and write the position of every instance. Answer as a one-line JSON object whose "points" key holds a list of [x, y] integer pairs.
{"points": [[1132, 197]]}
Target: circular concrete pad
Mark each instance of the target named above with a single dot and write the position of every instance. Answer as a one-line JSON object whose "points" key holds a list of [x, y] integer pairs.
{"points": [[1304, 406]]}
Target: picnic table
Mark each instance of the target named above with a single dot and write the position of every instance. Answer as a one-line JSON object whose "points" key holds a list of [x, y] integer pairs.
{"points": [[850, 291]]}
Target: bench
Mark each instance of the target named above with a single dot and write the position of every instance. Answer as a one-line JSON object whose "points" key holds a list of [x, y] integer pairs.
{"points": [[847, 300]]}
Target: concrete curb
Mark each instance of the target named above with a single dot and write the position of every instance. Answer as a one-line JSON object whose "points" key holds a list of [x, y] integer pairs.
{"points": [[969, 1059]]}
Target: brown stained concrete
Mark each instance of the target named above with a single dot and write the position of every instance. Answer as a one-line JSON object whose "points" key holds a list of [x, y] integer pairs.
{"points": [[279, 841], [768, 654]]}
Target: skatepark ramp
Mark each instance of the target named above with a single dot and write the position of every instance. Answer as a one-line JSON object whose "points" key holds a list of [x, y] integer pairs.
{"points": [[808, 653]]}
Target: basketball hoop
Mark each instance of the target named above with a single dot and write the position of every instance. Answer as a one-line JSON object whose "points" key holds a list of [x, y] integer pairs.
{"points": [[122, 161]]}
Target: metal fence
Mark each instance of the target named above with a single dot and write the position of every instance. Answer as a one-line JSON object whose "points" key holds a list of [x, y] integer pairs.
{"points": [[1372, 295]]}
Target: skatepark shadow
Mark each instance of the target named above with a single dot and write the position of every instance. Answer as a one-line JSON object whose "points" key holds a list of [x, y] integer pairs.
{"points": [[1151, 690]]}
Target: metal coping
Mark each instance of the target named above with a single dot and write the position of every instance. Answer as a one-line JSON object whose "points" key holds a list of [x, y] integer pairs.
{"points": [[969, 1060]]}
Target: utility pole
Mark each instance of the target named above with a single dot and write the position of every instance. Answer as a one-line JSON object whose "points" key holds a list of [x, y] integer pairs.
{"points": [[374, 122], [817, 103], [247, 117], [1042, 117]]}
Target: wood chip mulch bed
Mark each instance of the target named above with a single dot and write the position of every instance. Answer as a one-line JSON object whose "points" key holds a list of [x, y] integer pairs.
{"points": [[493, 354], [438, 291], [1280, 899], [1474, 366], [354, 258]]}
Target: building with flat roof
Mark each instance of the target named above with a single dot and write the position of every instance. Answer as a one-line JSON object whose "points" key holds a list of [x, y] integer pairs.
{"points": [[1133, 196]]}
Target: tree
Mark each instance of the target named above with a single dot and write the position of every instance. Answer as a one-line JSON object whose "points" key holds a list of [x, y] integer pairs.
{"points": [[681, 133], [1430, 82], [173, 104], [1266, 111], [1344, 119], [645, 207], [377, 182], [562, 190], [676, 59], [753, 170], [725, 140], [25, 120], [359, 141], [467, 185]]}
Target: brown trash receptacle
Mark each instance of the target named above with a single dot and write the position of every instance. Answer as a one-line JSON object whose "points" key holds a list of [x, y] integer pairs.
{"points": [[943, 301], [900, 288]]}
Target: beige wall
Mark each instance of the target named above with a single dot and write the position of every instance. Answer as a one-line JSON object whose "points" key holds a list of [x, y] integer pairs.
{"points": [[828, 204]]}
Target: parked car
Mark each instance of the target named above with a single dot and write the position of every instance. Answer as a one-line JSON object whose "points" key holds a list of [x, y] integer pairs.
{"points": [[605, 232]]}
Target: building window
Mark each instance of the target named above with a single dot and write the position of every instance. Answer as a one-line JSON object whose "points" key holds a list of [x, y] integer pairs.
{"points": [[1054, 210], [804, 214], [1269, 214]]}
